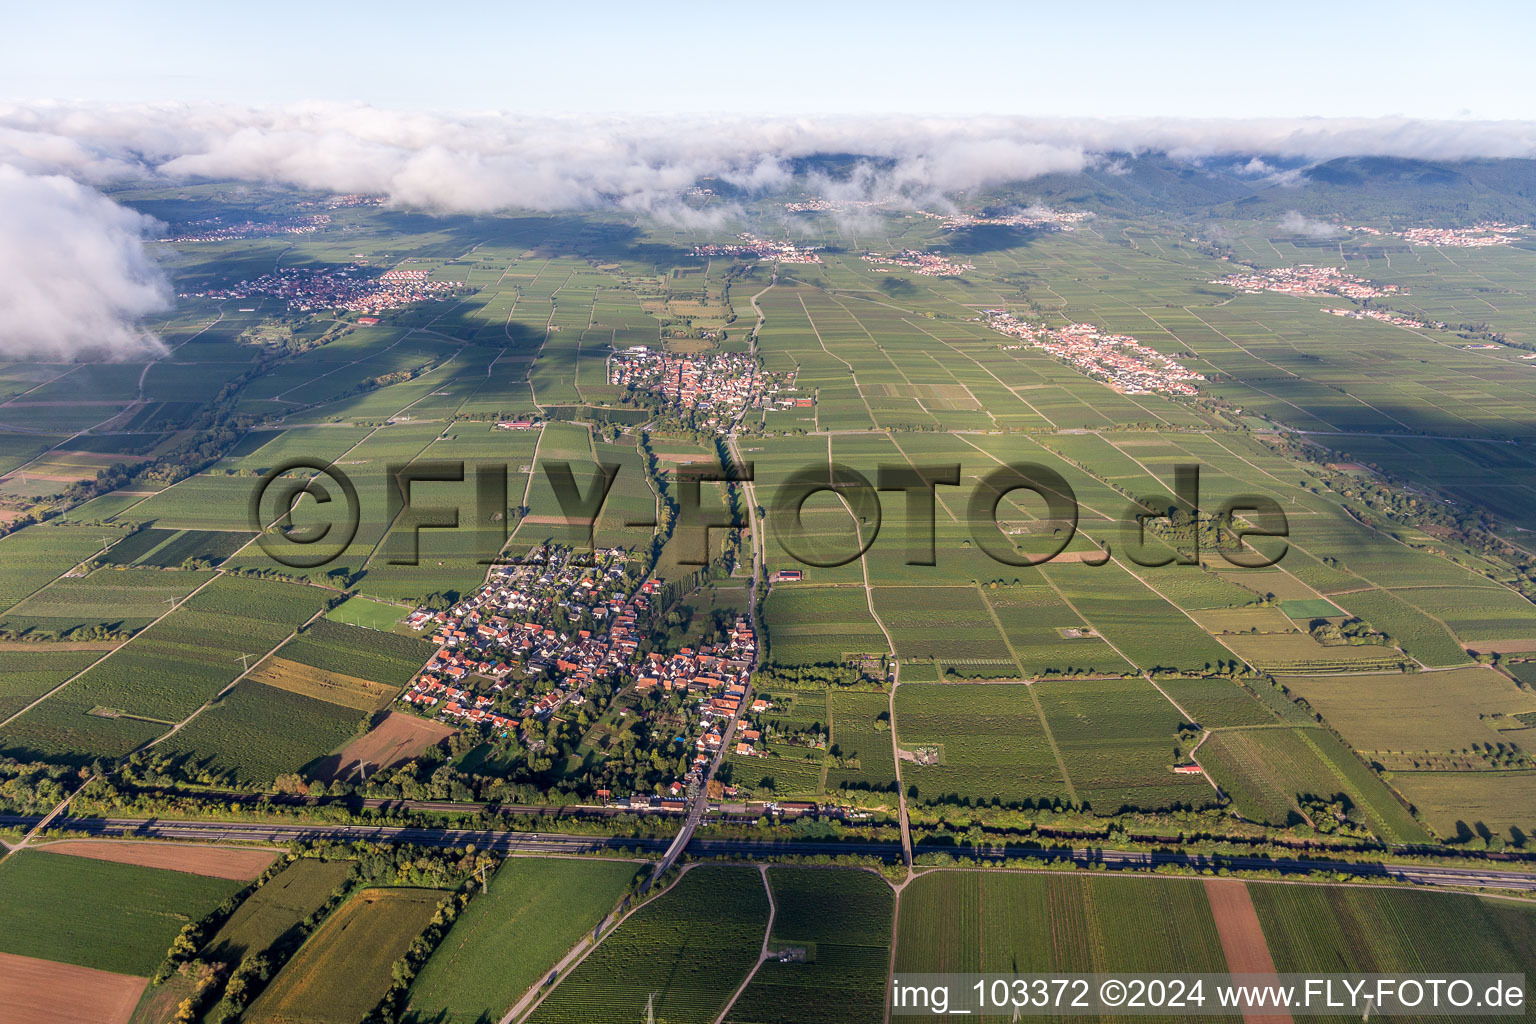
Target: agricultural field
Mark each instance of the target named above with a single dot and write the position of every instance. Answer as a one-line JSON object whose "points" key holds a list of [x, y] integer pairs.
{"points": [[354, 651], [240, 863], [814, 625], [1214, 703], [1116, 740], [115, 600], [949, 624], [1428, 712], [396, 739], [359, 941], [167, 671], [1328, 928], [26, 674], [510, 936], [33, 990], [255, 732], [268, 914], [1001, 921], [307, 681], [858, 737], [1047, 636], [835, 926], [176, 548], [684, 954], [1463, 804], [33, 557], [99, 914], [988, 741], [1267, 772]]}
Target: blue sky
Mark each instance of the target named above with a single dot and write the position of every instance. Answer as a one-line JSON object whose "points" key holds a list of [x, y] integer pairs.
{"points": [[1227, 59]]}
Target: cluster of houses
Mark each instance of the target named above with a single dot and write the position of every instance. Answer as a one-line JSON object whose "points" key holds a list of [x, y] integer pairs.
{"points": [[1116, 359], [834, 205], [351, 288], [215, 230], [715, 676], [1386, 316], [929, 264], [510, 623], [1036, 218], [352, 199], [1479, 236], [762, 249], [1306, 279], [721, 385]]}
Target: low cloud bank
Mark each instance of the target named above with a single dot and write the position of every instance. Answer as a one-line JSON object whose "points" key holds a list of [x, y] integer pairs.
{"points": [[479, 162], [75, 277]]}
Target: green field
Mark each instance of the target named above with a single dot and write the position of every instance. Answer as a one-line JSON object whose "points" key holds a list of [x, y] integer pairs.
{"points": [[356, 651], [842, 921], [1312, 928], [855, 720], [689, 949], [27, 675], [1116, 740], [33, 557], [360, 942], [1315, 608], [512, 934], [1007, 922], [1267, 771], [272, 912], [115, 599], [992, 744], [166, 672], [361, 611], [255, 732], [99, 914]]}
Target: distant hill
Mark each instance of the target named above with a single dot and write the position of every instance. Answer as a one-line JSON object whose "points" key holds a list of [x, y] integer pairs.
{"points": [[1354, 189]]}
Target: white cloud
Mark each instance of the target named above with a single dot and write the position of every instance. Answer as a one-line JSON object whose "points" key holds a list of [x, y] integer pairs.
{"points": [[74, 274], [1298, 223], [474, 162]]}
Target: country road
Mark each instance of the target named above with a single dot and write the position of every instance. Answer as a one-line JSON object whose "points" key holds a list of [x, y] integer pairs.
{"points": [[513, 843]]}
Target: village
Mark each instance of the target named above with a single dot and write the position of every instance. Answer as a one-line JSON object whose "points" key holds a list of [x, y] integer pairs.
{"points": [[720, 386], [1306, 279], [544, 633], [762, 249], [1479, 236], [214, 230], [1386, 316], [834, 205], [351, 289], [1038, 218], [1116, 359], [929, 264]]}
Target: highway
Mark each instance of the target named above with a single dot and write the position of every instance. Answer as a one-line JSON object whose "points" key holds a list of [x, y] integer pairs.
{"points": [[512, 843]]}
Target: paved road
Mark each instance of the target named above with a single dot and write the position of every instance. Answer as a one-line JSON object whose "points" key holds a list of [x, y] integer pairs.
{"points": [[554, 842]]}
